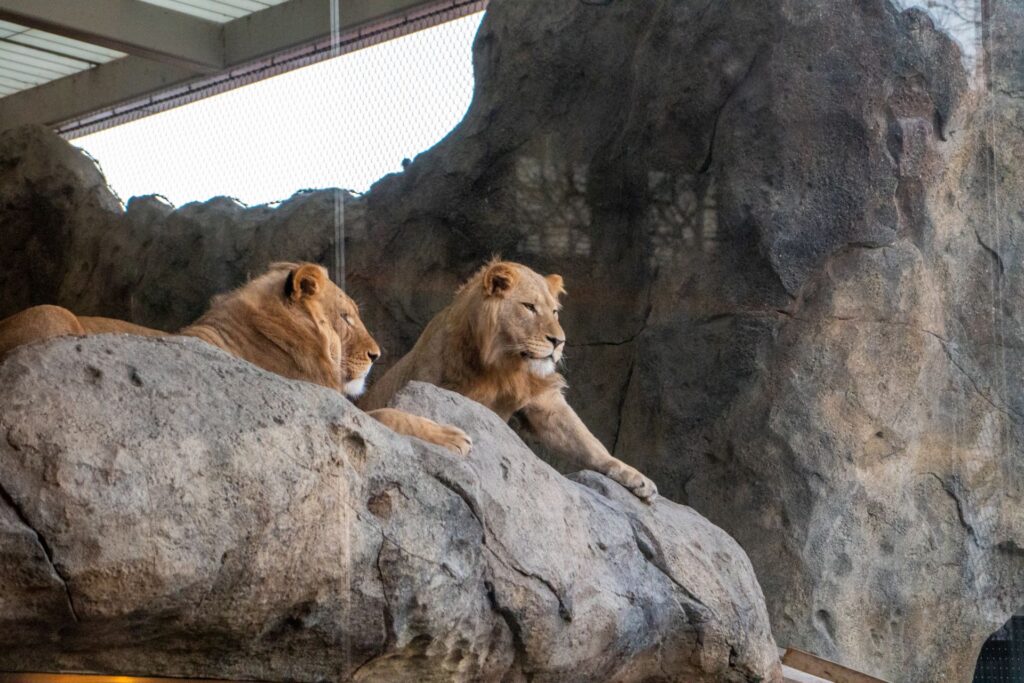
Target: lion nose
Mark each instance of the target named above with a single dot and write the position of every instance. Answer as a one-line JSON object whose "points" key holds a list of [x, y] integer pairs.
{"points": [[555, 341], [373, 355]]}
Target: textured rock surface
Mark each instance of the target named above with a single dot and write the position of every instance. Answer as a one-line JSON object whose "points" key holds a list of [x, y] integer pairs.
{"points": [[168, 509], [792, 239]]}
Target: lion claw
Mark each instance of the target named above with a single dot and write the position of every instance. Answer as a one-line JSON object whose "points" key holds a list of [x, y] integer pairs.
{"points": [[454, 439], [637, 484]]}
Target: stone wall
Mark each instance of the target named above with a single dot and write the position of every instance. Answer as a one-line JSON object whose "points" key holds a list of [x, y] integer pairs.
{"points": [[790, 233]]}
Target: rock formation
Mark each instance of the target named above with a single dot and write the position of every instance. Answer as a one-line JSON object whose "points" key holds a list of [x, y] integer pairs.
{"points": [[168, 509], [791, 237]]}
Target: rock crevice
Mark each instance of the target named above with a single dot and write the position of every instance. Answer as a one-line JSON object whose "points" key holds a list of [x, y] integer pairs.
{"points": [[47, 551]]}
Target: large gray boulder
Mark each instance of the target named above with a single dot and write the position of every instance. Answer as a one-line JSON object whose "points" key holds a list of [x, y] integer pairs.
{"points": [[168, 509], [791, 233]]}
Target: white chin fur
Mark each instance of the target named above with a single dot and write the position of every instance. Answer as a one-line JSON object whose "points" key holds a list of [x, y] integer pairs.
{"points": [[542, 367], [356, 387]]}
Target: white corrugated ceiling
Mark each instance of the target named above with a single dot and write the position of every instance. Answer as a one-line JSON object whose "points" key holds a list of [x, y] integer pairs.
{"points": [[29, 57], [215, 10]]}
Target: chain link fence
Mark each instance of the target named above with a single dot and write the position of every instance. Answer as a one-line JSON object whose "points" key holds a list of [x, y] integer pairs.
{"points": [[341, 121]]}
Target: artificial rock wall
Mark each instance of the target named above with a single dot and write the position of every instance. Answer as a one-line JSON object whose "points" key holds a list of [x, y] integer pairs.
{"points": [[790, 233]]}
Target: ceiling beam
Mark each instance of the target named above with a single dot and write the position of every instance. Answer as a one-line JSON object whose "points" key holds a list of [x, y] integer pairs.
{"points": [[253, 37], [299, 22], [129, 26], [101, 87]]}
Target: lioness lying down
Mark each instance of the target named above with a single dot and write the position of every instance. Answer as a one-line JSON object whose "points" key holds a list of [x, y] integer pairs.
{"points": [[292, 321], [498, 343]]}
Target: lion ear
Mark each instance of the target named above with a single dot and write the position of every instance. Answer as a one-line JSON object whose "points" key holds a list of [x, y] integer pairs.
{"points": [[555, 285], [306, 281], [499, 278]]}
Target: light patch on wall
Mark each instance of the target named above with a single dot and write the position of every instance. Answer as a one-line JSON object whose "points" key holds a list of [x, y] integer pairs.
{"points": [[961, 19]]}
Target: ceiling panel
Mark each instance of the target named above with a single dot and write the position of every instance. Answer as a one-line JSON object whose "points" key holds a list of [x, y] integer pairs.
{"points": [[25, 56], [215, 10], [29, 57]]}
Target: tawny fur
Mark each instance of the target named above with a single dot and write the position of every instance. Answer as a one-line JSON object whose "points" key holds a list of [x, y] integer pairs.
{"points": [[499, 343], [292, 321]]}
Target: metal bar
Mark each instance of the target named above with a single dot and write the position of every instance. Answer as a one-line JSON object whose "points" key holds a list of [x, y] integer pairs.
{"points": [[28, 677]]}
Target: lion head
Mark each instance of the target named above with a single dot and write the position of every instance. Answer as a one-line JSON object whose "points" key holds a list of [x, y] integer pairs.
{"points": [[349, 342], [513, 314], [294, 321]]}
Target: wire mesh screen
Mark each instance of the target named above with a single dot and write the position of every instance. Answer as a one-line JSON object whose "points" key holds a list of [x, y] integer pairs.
{"points": [[1002, 657], [341, 122]]}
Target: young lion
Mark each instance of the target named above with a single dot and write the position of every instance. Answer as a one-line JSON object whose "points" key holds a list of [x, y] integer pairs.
{"points": [[498, 343], [292, 321]]}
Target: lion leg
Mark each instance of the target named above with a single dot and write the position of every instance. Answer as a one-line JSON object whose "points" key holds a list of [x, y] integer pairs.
{"points": [[35, 324], [552, 420], [452, 438]]}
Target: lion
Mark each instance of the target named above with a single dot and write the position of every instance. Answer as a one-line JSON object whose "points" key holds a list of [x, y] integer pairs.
{"points": [[499, 342], [292, 321]]}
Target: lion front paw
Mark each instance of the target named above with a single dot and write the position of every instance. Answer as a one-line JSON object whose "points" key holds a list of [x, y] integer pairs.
{"points": [[452, 438], [630, 477]]}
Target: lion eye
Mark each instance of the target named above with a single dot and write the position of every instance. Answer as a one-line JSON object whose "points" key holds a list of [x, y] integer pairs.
{"points": [[347, 318], [530, 307]]}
